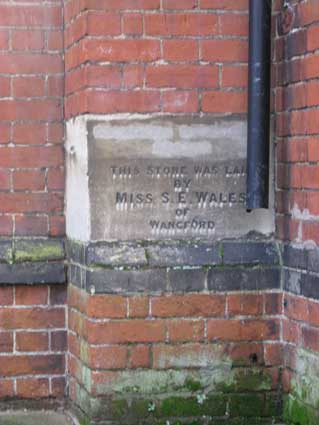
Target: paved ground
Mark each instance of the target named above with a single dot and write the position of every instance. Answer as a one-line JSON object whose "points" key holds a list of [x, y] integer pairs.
{"points": [[34, 418]]}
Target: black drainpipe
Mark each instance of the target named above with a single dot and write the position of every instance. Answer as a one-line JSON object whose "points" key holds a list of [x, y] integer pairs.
{"points": [[258, 104]]}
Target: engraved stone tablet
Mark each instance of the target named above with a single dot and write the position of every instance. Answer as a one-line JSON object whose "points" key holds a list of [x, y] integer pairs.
{"points": [[161, 178]]}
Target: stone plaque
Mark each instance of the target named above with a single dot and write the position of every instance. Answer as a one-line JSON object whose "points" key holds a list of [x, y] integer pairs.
{"points": [[165, 178]]}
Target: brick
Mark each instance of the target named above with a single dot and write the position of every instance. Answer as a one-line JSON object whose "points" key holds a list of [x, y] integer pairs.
{"points": [[273, 354], [133, 23], [245, 304], [242, 330], [234, 24], [122, 281], [124, 332], [27, 40], [182, 76], [33, 388], [235, 279], [296, 308], [123, 101], [29, 134], [55, 40], [31, 16], [55, 86], [250, 253], [32, 341], [106, 306], [224, 50], [56, 178], [224, 101], [58, 387], [58, 295], [31, 365], [310, 337], [313, 308], [4, 40], [30, 63], [181, 24], [291, 331], [133, 76], [33, 318], [59, 341], [182, 4], [31, 225], [121, 50], [187, 280], [28, 180], [176, 101], [138, 307], [273, 303], [246, 354], [200, 254], [184, 356], [6, 388], [55, 132], [114, 357], [4, 133], [234, 76], [6, 342], [140, 357], [31, 295], [225, 4], [5, 89], [185, 330], [116, 255], [180, 50], [103, 23], [196, 305], [5, 177], [56, 226], [309, 286], [121, 4], [24, 109], [6, 295]]}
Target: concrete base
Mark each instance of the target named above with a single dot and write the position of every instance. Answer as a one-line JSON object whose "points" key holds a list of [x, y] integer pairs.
{"points": [[35, 418]]}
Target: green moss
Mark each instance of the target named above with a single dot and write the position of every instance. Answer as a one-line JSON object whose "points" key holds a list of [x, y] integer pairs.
{"points": [[140, 409], [221, 251], [178, 406], [297, 412], [118, 408], [211, 405], [246, 405], [193, 385], [247, 379], [39, 250]]}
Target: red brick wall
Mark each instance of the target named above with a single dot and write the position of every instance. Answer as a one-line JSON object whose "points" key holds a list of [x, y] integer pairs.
{"points": [[296, 99], [32, 341], [32, 318], [297, 126], [156, 56], [31, 119]]}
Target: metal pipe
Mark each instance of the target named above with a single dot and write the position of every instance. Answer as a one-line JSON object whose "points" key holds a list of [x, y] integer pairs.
{"points": [[258, 104]]}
